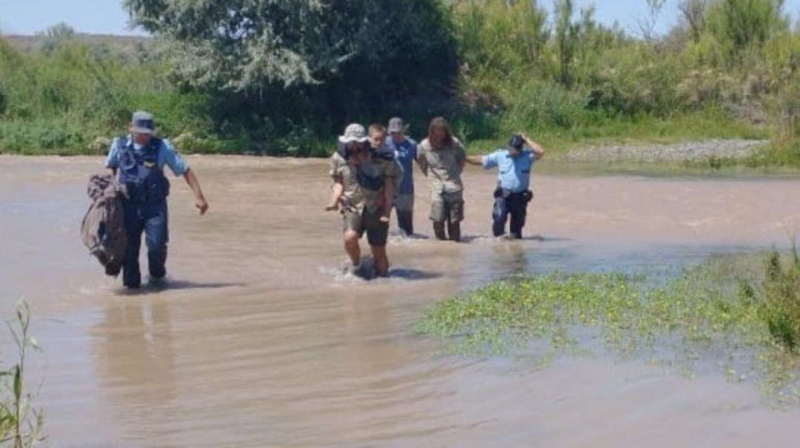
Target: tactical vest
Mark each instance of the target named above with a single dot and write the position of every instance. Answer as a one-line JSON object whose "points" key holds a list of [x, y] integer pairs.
{"points": [[139, 173]]}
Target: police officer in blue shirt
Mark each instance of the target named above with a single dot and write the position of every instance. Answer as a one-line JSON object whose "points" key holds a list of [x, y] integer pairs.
{"points": [[513, 192], [138, 160]]}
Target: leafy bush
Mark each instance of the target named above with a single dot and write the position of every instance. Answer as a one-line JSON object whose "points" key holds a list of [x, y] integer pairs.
{"points": [[780, 294]]}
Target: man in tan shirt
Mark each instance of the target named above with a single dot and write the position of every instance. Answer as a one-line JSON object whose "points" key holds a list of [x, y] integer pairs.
{"points": [[361, 185], [442, 157]]}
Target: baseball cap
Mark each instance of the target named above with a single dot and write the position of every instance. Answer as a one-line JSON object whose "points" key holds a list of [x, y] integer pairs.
{"points": [[397, 124]]}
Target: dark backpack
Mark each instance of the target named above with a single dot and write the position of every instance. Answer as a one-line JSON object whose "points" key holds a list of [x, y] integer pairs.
{"points": [[103, 227]]}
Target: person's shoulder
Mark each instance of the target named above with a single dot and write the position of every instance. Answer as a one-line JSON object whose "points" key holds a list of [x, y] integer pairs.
{"points": [[164, 143], [425, 145], [495, 155], [337, 158], [384, 154], [411, 141], [120, 140]]}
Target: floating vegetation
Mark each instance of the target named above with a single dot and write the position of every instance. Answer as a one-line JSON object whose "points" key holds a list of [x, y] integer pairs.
{"points": [[735, 314]]}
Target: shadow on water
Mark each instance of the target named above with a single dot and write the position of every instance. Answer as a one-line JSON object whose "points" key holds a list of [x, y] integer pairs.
{"points": [[505, 239], [545, 239], [177, 285], [135, 342], [413, 274], [415, 236]]}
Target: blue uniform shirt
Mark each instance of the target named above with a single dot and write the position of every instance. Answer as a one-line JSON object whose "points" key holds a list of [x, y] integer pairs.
{"points": [[513, 173], [405, 153], [166, 156]]}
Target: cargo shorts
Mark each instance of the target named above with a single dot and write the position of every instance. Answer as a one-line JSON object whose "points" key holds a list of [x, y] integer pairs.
{"points": [[448, 206], [369, 221]]}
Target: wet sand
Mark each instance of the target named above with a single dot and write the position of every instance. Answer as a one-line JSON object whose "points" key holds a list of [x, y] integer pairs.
{"points": [[260, 341]]}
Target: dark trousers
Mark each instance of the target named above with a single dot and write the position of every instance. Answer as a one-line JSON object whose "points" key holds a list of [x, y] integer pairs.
{"points": [[514, 204], [150, 218], [405, 221]]}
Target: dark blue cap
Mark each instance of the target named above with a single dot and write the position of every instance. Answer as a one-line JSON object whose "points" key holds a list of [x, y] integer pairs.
{"points": [[516, 142]]}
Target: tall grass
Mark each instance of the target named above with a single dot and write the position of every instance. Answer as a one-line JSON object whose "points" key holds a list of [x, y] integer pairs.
{"points": [[780, 295], [20, 424]]}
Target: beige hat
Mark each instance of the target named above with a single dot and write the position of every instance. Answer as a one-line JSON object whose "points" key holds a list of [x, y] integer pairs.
{"points": [[354, 133]]}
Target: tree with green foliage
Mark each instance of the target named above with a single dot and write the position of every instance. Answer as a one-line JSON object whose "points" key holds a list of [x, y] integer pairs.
{"points": [[243, 43], [285, 71], [566, 40], [693, 16], [647, 26], [742, 25], [246, 44]]}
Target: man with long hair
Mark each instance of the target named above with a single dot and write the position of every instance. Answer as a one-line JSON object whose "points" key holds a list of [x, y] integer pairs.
{"points": [[441, 157]]}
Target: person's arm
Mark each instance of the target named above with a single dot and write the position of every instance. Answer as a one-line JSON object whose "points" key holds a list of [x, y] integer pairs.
{"points": [[388, 191], [475, 160], [415, 155], [487, 161], [461, 156], [337, 191], [199, 199], [538, 150], [112, 161], [422, 161], [180, 167]]}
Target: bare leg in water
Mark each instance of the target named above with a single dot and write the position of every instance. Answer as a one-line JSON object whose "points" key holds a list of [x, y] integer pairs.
{"points": [[351, 247], [381, 260]]}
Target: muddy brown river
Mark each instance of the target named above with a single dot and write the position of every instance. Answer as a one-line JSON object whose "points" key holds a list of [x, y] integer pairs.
{"points": [[260, 341]]}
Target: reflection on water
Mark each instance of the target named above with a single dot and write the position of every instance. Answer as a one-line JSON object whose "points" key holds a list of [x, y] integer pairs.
{"points": [[134, 361], [258, 340]]}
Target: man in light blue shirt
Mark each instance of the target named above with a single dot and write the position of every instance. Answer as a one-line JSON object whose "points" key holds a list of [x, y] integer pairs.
{"points": [[138, 161], [165, 156], [513, 191]]}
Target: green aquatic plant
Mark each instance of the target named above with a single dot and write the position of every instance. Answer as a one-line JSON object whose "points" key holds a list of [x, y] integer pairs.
{"points": [[727, 312], [780, 297], [20, 424]]}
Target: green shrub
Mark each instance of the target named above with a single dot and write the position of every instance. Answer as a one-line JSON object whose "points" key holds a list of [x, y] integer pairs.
{"points": [[781, 300]]}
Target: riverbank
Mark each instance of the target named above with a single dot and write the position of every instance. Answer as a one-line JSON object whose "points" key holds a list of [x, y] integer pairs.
{"points": [[647, 155]]}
